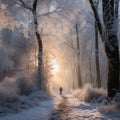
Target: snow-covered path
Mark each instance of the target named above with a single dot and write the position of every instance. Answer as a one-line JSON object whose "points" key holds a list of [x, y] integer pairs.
{"points": [[69, 108], [61, 108]]}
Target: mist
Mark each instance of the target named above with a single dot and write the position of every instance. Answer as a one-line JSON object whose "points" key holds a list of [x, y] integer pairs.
{"points": [[58, 34]]}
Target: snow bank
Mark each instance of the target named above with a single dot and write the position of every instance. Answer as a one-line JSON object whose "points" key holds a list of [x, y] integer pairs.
{"points": [[105, 106], [89, 94], [19, 94], [110, 106], [25, 86]]}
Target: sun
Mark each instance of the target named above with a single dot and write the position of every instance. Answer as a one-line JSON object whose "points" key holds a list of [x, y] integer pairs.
{"points": [[55, 66]]}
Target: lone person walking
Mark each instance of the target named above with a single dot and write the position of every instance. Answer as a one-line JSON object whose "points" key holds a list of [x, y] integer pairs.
{"points": [[60, 89]]}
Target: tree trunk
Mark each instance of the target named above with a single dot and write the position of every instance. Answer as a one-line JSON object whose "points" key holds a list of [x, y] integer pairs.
{"points": [[40, 46], [78, 55], [111, 47], [99, 23], [117, 24], [98, 80], [90, 68], [110, 42]]}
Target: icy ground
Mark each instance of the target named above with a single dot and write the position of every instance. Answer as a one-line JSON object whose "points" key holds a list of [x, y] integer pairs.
{"points": [[63, 108]]}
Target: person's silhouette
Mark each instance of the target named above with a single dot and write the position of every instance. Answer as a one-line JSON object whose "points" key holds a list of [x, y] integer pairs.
{"points": [[60, 89]]}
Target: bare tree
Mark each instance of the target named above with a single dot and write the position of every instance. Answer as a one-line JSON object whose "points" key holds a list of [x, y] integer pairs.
{"points": [[78, 56], [74, 44], [48, 64], [98, 80]]}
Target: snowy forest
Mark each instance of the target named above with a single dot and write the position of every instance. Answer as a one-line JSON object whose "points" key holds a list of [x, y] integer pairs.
{"points": [[59, 59]]}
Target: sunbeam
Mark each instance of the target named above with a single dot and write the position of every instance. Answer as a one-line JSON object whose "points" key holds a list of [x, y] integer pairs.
{"points": [[55, 66]]}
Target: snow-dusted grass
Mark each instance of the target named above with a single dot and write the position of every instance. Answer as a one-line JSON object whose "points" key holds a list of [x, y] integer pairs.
{"points": [[105, 105], [25, 86], [111, 106], [89, 94], [19, 94], [7, 95]]}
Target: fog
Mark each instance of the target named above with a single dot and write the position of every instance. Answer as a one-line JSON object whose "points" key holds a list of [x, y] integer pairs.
{"points": [[58, 31]]}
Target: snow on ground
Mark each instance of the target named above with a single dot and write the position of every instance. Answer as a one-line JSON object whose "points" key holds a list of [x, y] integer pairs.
{"points": [[66, 107], [40, 112], [87, 111], [70, 108], [10, 105]]}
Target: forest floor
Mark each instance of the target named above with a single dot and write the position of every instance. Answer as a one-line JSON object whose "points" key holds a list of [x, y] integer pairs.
{"points": [[62, 108]]}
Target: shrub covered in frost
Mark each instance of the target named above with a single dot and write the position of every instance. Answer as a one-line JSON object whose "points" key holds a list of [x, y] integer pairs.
{"points": [[25, 86], [89, 94], [111, 105], [7, 95], [14, 95]]}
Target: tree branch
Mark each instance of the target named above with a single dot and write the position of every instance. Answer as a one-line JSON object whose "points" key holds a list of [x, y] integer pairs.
{"points": [[48, 13], [99, 24], [25, 5]]}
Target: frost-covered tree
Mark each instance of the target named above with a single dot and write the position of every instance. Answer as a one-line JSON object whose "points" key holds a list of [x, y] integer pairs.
{"points": [[98, 80], [6, 20], [10, 23], [108, 32], [78, 56], [74, 45], [32, 6], [35, 9]]}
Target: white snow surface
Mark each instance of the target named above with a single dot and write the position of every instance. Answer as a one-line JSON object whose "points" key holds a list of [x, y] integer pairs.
{"points": [[40, 112], [73, 110]]}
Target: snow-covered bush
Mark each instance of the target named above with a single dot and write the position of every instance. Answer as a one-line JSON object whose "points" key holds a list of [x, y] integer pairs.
{"points": [[11, 100], [7, 95], [111, 105], [89, 94], [25, 86]]}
